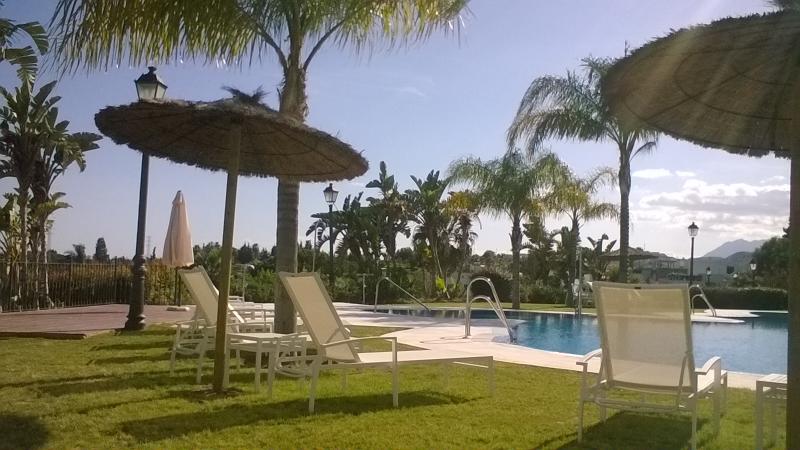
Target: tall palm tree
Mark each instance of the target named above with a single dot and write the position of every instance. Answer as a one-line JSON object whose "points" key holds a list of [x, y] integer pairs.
{"points": [[510, 186], [463, 207], [571, 107], [575, 199], [389, 209], [96, 35]]}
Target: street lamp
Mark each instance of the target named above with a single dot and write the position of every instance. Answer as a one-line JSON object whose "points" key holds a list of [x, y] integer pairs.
{"points": [[708, 275], [753, 267], [245, 268], [330, 198], [149, 86], [693, 229]]}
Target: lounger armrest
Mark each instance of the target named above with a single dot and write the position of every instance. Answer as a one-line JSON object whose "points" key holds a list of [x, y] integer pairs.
{"points": [[361, 339], [714, 364], [588, 357]]}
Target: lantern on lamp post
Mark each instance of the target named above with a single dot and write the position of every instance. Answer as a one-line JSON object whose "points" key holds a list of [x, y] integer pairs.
{"points": [[753, 267], [693, 229], [330, 198], [149, 86]]}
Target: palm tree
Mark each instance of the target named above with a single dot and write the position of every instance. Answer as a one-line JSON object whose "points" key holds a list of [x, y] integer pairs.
{"points": [[463, 207], [28, 125], [96, 35], [26, 57], [431, 234], [390, 210], [574, 199], [571, 107], [511, 186]]}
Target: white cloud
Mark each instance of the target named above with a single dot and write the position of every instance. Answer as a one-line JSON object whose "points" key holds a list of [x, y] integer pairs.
{"points": [[685, 174], [651, 173], [773, 179], [735, 210], [409, 90]]}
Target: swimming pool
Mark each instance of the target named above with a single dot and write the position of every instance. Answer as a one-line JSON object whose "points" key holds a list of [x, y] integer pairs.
{"points": [[757, 345]]}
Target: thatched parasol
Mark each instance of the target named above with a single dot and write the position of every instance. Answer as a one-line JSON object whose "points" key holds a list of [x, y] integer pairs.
{"points": [[732, 84], [241, 136]]}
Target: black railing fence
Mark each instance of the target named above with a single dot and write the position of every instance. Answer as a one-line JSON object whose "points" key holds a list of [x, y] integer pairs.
{"points": [[31, 286]]}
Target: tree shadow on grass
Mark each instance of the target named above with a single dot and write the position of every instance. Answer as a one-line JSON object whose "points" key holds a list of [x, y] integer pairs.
{"points": [[21, 432], [636, 431], [267, 413]]}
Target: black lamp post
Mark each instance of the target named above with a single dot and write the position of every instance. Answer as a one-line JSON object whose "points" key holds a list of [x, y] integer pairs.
{"points": [[708, 275], [753, 268], [693, 229], [330, 198], [148, 87]]}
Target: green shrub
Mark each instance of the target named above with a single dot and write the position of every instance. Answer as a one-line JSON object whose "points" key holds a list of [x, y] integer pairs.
{"points": [[534, 293], [756, 298], [501, 284]]}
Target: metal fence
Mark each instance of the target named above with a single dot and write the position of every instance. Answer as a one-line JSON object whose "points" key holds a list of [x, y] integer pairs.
{"points": [[30, 286]]}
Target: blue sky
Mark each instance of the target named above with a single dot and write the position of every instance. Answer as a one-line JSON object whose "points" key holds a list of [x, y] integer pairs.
{"points": [[418, 109]]}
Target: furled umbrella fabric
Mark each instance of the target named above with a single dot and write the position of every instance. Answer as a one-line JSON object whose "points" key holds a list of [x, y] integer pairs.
{"points": [[178, 242], [732, 84], [241, 136]]}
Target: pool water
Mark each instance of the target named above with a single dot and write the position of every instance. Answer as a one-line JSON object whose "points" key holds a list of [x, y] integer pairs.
{"points": [[757, 345]]}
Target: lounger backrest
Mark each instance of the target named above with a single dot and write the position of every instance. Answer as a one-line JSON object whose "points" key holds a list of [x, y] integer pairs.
{"points": [[645, 333], [203, 291], [320, 318]]}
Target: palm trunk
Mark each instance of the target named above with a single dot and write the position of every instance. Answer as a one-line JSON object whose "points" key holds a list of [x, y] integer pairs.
{"points": [[292, 104], [516, 245], [44, 282], [793, 396], [624, 212], [22, 203], [573, 255]]}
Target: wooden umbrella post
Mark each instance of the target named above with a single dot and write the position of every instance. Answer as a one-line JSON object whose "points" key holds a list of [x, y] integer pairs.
{"points": [[793, 366], [220, 350]]}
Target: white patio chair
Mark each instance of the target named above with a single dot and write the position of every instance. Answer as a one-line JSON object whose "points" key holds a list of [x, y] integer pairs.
{"points": [[337, 350], [196, 337], [646, 347]]}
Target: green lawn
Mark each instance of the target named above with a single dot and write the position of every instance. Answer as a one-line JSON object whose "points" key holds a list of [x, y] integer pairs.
{"points": [[113, 391]]}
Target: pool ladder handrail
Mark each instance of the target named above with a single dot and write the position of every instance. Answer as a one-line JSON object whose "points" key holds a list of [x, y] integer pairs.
{"points": [[493, 302], [702, 296], [378, 285]]}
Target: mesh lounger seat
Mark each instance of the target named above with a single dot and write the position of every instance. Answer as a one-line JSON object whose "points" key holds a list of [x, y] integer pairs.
{"points": [[646, 348], [196, 337], [337, 350]]}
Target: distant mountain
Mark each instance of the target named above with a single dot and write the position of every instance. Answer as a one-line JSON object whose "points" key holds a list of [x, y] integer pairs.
{"points": [[729, 248]]}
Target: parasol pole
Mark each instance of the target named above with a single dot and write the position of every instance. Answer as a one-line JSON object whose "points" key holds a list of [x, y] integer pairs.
{"points": [[220, 350], [793, 366]]}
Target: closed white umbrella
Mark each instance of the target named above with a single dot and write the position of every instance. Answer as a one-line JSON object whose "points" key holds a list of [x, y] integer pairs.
{"points": [[178, 243]]}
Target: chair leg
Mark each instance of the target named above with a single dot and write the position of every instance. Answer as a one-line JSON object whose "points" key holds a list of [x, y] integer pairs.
{"points": [[313, 390], [200, 360], [580, 418], [258, 367], [694, 427], [172, 361], [395, 386], [491, 376], [717, 408]]}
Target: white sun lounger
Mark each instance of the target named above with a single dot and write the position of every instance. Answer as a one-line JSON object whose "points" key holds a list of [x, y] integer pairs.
{"points": [[337, 350], [646, 340], [196, 337]]}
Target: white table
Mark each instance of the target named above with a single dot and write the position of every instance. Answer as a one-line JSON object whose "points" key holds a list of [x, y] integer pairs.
{"points": [[270, 344], [770, 389]]}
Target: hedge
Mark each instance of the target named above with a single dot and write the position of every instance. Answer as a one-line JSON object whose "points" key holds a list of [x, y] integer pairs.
{"points": [[755, 298]]}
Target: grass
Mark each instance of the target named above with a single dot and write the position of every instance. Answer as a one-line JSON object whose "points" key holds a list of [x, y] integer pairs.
{"points": [[114, 391]]}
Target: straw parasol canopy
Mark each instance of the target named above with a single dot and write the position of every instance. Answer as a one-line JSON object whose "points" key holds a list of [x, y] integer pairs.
{"points": [[241, 136], [194, 133], [732, 84]]}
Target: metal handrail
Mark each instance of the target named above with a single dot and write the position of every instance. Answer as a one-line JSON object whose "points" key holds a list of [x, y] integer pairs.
{"points": [[378, 285], [493, 302], [701, 295]]}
